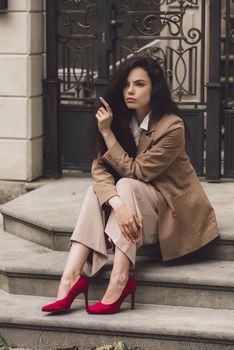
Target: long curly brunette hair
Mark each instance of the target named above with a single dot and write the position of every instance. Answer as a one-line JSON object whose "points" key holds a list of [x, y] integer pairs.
{"points": [[160, 103]]}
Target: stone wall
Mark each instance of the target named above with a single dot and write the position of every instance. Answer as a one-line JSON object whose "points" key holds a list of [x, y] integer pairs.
{"points": [[21, 74]]}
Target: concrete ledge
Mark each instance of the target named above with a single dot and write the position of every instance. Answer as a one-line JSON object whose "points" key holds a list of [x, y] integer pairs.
{"points": [[10, 190], [148, 326], [54, 207], [28, 268], [46, 238], [49, 215]]}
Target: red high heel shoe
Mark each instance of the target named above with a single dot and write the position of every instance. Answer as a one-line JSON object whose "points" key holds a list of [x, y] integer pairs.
{"points": [[100, 308], [81, 286]]}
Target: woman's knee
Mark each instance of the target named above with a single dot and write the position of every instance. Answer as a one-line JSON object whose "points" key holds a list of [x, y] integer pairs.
{"points": [[90, 188], [125, 184], [90, 194], [90, 191]]}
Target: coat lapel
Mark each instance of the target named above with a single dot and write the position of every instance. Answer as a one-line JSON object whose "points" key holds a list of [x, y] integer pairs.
{"points": [[146, 139], [144, 142]]}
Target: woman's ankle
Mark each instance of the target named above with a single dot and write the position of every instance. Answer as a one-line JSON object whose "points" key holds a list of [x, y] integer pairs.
{"points": [[119, 278], [115, 287], [66, 283], [71, 278]]}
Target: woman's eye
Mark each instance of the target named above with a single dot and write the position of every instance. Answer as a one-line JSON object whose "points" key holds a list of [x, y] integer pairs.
{"points": [[140, 83]]}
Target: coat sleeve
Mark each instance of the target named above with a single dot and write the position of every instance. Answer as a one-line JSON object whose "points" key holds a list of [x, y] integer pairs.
{"points": [[154, 161], [103, 181]]}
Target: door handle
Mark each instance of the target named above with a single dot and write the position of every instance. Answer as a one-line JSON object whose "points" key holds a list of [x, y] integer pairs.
{"points": [[116, 23]]}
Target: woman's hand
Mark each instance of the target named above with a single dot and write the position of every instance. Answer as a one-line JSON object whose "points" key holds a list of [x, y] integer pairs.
{"points": [[104, 117], [128, 222]]}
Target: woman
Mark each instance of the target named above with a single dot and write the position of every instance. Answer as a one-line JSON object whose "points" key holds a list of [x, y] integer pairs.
{"points": [[144, 177]]}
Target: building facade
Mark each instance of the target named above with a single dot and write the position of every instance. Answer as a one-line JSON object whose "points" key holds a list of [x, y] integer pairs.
{"points": [[184, 35], [22, 53]]}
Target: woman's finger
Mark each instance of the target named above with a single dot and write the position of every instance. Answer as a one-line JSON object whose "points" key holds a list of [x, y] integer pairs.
{"points": [[128, 231], [106, 104], [101, 115], [134, 229], [138, 221], [124, 233], [138, 225], [98, 116], [102, 110]]}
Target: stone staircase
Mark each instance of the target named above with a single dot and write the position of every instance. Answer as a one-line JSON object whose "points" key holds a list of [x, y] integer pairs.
{"points": [[187, 305]]}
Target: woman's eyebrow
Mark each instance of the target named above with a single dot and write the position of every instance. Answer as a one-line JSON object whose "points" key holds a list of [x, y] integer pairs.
{"points": [[141, 80], [137, 80]]}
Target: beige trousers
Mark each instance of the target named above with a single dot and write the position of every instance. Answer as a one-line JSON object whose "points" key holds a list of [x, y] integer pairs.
{"points": [[92, 231]]}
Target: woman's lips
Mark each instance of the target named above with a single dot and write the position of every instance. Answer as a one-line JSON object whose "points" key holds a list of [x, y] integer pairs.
{"points": [[130, 99]]}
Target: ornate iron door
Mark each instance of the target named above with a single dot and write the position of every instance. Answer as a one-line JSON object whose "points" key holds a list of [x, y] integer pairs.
{"points": [[83, 66], [94, 36], [173, 33], [227, 77]]}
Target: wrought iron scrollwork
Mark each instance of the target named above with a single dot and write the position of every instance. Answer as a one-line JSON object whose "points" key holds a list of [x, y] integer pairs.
{"points": [[227, 49], [153, 26], [193, 37], [182, 3], [77, 40], [165, 2], [159, 28]]}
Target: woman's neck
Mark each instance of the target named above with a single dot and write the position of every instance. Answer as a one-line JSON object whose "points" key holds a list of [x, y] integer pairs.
{"points": [[140, 114]]}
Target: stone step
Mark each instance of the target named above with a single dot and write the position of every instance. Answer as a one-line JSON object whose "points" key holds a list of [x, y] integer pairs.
{"points": [[149, 327], [48, 215], [28, 268]]}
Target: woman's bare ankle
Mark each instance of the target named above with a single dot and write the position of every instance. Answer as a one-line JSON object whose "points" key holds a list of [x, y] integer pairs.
{"points": [[65, 285], [115, 287], [119, 279]]}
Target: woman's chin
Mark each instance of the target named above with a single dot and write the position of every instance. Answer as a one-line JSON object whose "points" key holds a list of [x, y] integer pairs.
{"points": [[130, 106]]}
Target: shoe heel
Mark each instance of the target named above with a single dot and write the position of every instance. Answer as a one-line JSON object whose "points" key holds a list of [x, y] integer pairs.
{"points": [[100, 308], [86, 299], [133, 300]]}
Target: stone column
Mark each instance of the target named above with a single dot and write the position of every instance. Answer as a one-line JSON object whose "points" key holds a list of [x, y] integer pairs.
{"points": [[21, 74]]}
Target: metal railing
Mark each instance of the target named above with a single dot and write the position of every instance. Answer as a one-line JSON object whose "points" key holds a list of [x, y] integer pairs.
{"points": [[162, 29]]}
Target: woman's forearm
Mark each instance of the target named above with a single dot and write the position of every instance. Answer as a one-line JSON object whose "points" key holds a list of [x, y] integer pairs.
{"points": [[109, 138]]}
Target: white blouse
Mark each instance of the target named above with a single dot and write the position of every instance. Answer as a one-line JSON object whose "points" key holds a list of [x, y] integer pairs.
{"points": [[136, 129]]}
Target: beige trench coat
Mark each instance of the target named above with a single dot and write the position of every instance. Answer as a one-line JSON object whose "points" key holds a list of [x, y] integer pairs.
{"points": [[186, 218]]}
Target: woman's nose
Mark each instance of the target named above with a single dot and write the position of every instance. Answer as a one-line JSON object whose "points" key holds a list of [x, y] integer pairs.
{"points": [[130, 89]]}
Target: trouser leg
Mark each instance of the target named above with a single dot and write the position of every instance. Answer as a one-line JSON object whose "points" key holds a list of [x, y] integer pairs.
{"points": [[89, 231], [90, 228], [143, 201]]}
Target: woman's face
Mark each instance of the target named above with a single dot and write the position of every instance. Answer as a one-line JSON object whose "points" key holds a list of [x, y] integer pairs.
{"points": [[137, 91]]}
